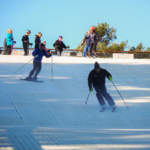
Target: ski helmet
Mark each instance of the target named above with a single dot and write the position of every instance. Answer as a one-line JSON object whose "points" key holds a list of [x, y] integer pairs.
{"points": [[96, 65], [92, 28], [44, 42], [60, 36]]}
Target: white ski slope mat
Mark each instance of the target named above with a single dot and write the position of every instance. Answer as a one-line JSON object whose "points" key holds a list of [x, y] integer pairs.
{"points": [[53, 115]]}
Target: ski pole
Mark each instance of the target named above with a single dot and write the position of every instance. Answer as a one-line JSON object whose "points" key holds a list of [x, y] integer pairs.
{"points": [[21, 67], [87, 98], [120, 94]]}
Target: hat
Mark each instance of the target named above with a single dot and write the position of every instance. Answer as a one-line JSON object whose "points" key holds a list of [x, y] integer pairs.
{"points": [[92, 28], [96, 65], [60, 36]]}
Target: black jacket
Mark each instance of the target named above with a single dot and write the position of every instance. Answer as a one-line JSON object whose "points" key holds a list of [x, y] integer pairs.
{"points": [[25, 40], [37, 42], [97, 79], [59, 45]]}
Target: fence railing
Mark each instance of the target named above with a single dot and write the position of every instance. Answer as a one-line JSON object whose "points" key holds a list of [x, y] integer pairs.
{"points": [[77, 50]]}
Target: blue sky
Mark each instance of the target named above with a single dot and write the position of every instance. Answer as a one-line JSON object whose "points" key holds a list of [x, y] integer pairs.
{"points": [[72, 18]]}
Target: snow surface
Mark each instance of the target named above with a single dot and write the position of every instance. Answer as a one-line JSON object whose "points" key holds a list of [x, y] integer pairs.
{"points": [[53, 115]]}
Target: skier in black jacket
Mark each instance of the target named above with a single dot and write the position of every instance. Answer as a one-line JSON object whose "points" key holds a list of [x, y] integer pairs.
{"points": [[59, 46], [96, 79], [26, 43]]}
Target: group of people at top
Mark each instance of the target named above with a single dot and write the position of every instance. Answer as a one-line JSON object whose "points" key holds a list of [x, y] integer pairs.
{"points": [[90, 41], [9, 43]]}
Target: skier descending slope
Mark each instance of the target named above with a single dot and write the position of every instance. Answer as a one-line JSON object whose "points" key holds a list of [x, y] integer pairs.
{"points": [[38, 54], [96, 79]]}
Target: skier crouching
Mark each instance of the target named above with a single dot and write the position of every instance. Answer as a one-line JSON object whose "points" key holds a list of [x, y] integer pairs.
{"points": [[96, 79], [38, 54]]}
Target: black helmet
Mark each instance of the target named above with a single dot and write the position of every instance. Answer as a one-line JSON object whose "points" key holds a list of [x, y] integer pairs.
{"points": [[96, 65]]}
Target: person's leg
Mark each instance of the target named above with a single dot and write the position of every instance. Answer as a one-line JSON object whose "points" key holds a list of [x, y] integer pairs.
{"points": [[27, 50], [99, 96], [107, 96], [32, 71], [91, 49], [38, 69], [9, 49], [94, 49], [84, 51], [60, 52], [88, 50]]}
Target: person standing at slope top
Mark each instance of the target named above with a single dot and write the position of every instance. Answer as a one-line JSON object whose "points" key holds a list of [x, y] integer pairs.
{"points": [[38, 40], [9, 42], [59, 46], [26, 43]]}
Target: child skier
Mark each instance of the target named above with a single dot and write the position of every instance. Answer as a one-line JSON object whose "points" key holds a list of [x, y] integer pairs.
{"points": [[38, 54], [96, 79]]}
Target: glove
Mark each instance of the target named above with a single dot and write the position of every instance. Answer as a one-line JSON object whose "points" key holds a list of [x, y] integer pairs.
{"points": [[91, 89], [110, 78]]}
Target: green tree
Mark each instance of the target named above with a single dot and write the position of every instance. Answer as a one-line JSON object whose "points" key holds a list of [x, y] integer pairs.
{"points": [[139, 47], [105, 33], [148, 49], [118, 47]]}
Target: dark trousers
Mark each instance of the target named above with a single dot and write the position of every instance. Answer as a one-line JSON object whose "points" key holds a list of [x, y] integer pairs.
{"points": [[101, 93], [93, 49], [26, 49], [8, 49], [59, 52], [36, 69]]}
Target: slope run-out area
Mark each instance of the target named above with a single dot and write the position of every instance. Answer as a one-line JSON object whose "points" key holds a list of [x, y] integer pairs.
{"points": [[53, 115]]}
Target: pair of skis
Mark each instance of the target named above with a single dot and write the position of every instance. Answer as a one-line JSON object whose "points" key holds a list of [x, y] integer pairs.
{"points": [[114, 108], [32, 80]]}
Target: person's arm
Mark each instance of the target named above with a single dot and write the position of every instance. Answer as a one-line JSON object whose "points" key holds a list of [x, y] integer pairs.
{"points": [[54, 44], [84, 39], [47, 53], [90, 80], [109, 76], [63, 45], [23, 38], [35, 52]]}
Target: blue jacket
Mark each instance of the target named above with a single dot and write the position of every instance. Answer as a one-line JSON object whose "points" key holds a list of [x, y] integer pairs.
{"points": [[9, 39], [39, 53]]}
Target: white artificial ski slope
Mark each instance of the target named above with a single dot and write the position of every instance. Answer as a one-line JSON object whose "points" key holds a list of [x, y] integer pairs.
{"points": [[53, 115]]}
